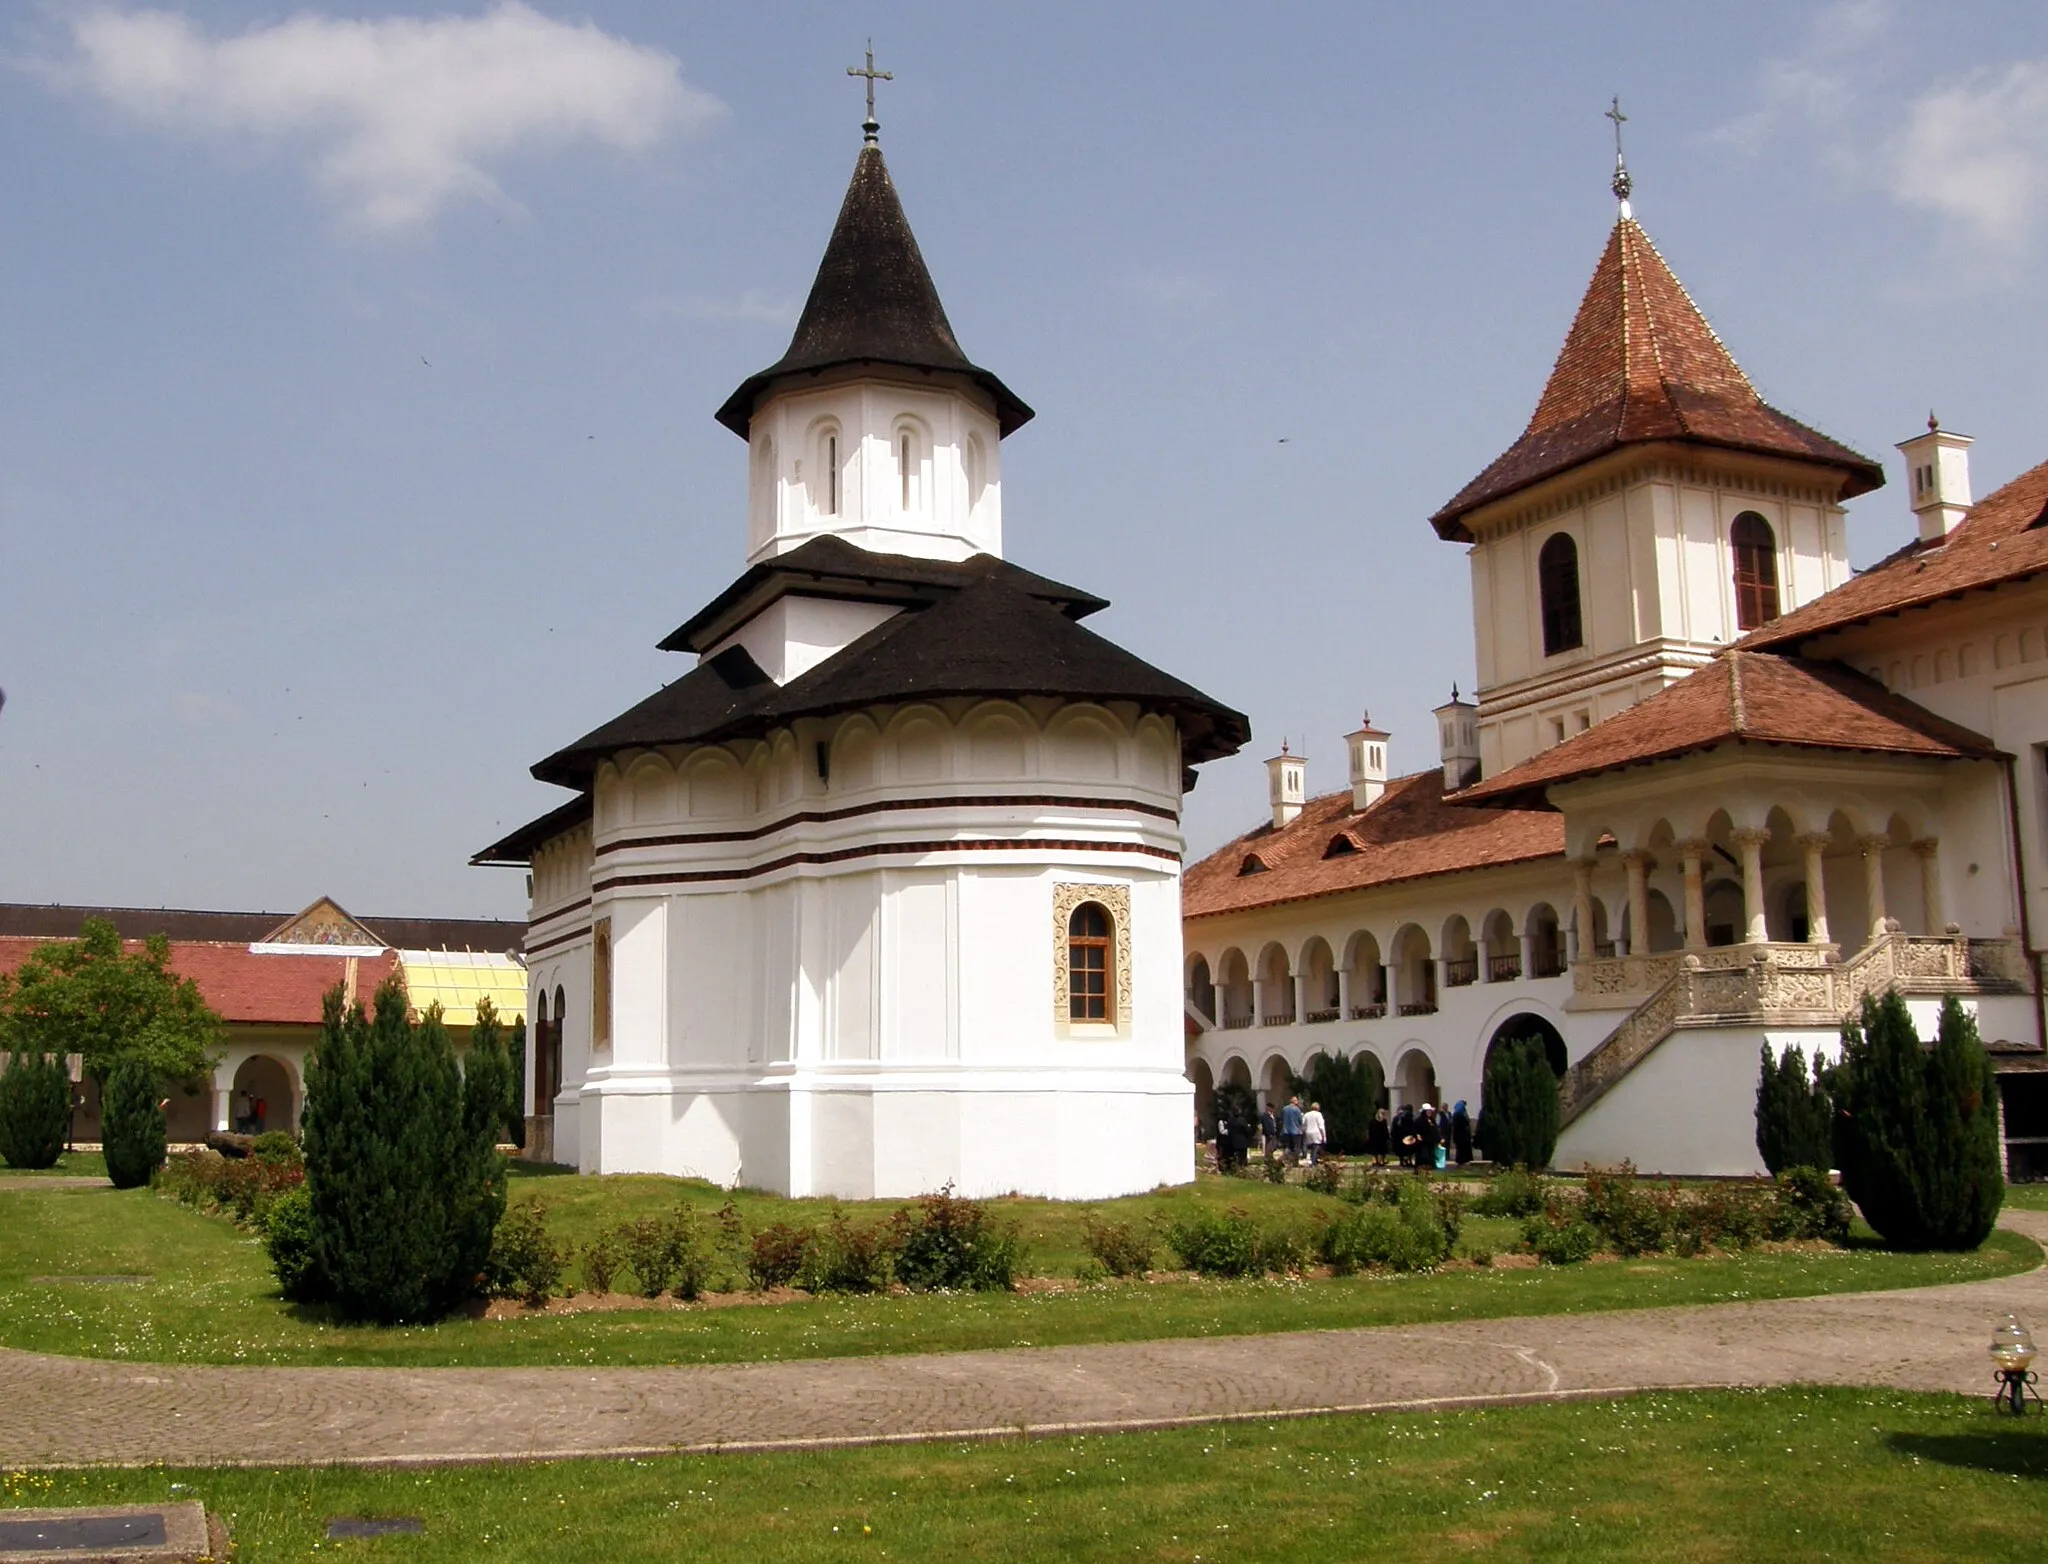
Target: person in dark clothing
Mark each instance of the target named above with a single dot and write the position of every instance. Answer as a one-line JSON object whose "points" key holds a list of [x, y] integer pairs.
{"points": [[1429, 1137], [1461, 1133], [1378, 1136], [1269, 1131], [1405, 1140]]}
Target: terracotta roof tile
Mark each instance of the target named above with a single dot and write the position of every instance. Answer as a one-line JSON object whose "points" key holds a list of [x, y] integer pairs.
{"points": [[245, 987], [1641, 364], [1742, 696], [1410, 833], [2003, 538]]}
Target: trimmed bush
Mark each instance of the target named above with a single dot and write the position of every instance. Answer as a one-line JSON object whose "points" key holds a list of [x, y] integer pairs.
{"points": [[945, 1243], [1120, 1248], [1916, 1131], [132, 1124], [1512, 1192], [775, 1255], [35, 1110], [1216, 1243], [278, 1149], [666, 1254], [846, 1256], [288, 1239], [1518, 1117], [243, 1190], [1631, 1219], [1808, 1205], [1565, 1240], [601, 1261], [526, 1262], [1410, 1235], [1794, 1113]]}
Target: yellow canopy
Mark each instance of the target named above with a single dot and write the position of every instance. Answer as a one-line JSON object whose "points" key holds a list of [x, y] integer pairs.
{"points": [[458, 979]]}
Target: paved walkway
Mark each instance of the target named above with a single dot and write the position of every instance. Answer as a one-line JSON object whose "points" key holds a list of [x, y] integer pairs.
{"points": [[70, 1411]]}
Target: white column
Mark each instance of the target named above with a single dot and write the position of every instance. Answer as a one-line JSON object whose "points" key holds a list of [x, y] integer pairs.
{"points": [[1692, 855], [1582, 909], [1637, 863], [1813, 844], [1929, 849], [1528, 948], [1873, 878], [1258, 1001], [1344, 993], [1750, 843], [1300, 999]]}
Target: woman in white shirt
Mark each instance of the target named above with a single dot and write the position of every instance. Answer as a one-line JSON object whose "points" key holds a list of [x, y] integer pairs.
{"points": [[1313, 1132]]}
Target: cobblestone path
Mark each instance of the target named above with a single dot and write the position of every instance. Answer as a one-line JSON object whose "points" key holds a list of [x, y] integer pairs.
{"points": [[70, 1411]]}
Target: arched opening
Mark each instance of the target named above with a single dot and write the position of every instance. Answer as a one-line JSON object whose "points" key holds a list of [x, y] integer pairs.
{"points": [[1501, 947], [543, 1099], [1664, 933], [1724, 911], [1904, 880], [1202, 989], [1091, 940], [1368, 979], [1234, 980], [262, 1097], [1526, 1025], [1276, 1083], [1319, 981], [1414, 1080], [1461, 956], [1557, 575], [1276, 988], [1756, 570], [555, 1051], [1205, 1098], [1546, 941], [1414, 973]]}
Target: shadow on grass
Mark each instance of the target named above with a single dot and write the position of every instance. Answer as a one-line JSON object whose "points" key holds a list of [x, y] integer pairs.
{"points": [[2011, 1451], [519, 1168]]}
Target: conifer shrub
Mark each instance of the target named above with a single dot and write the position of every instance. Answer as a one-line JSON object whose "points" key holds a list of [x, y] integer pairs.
{"points": [[288, 1240], [775, 1255], [946, 1243], [526, 1261], [1794, 1112], [35, 1110], [1518, 1105], [132, 1134], [1349, 1092], [405, 1182], [1916, 1132], [1120, 1248]]}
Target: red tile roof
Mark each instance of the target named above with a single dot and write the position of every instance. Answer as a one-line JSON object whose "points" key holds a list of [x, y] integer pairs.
{"points": [[247, 988], [1641, 364], [1740, 697], [2002, 539], [1410, 833]]}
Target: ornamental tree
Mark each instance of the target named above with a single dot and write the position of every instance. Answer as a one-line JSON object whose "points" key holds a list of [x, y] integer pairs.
{"points": [[1518, 1105], [94, 997], [35, 1110], [132, 1123], [1794, 1112]]}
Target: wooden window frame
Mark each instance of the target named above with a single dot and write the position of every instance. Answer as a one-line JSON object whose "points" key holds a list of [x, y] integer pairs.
{"points": [[1754, 545], [1091, 967]]}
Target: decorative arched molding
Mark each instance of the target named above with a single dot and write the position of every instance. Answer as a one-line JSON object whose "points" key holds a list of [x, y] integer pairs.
{"points": [[854, 750], [1085, 743], [998, 742], [1116, 901], [714, 785], [650, 788]]}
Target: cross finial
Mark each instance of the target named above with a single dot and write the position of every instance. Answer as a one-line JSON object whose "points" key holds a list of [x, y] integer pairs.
{"points": [[1622, 183], [870, 128]]}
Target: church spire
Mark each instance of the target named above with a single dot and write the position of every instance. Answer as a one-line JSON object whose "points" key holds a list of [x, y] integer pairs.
{"points": [[1621, 184], [873, 301]]}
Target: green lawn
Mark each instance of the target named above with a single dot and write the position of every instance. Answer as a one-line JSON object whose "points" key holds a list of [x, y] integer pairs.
{"points": [[1794, 1475], [72, 1164], [2027, 1197], [210, 1297]]}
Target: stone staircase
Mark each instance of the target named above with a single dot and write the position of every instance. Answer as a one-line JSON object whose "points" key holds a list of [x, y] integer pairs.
{"points": [[1788, 985]]}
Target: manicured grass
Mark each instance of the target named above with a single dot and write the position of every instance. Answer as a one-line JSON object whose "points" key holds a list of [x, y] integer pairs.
{"points": [[212, 1299], [1796, 1474], [2027, 1197], [72, 1164]]}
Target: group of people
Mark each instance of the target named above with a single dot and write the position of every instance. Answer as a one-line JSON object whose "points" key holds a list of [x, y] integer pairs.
{"points": [[1422, 1138], [1294, 1132]]}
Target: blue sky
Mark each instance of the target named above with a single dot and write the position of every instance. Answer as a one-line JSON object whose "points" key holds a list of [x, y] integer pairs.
{"points": [[355, 404]]}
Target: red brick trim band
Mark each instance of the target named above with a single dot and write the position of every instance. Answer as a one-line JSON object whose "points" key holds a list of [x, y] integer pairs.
{"points": [[885, 849], [891, 806]]}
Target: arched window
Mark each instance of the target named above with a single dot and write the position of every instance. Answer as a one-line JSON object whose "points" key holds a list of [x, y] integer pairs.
{"points": [[832, 474], [555, 1051], [543, 1089], [1756, 570], [1557, 579], [1089, 935]]}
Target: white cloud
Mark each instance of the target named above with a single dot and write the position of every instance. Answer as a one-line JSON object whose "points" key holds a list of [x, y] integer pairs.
{"points": [[401, 116], [1977, 151]]}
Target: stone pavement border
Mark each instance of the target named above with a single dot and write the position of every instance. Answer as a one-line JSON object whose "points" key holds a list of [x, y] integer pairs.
{"points": [[75, 1411]]}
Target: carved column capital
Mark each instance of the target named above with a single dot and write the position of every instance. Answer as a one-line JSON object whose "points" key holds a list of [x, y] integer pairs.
{"points": [[1814, 841], [1875, 842], [1927, 846], [1749, 836], [1695, 848]]}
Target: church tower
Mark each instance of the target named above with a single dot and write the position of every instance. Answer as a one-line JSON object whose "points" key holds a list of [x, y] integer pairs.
{"points": [[1655, 509]]}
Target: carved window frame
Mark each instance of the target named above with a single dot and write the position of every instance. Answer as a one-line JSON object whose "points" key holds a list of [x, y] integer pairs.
{"points": [[1116, 901]]}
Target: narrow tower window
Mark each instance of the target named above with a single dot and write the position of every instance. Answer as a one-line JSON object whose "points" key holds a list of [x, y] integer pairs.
{"points": [[831, 474], [1557, 581], [1089, 933], [1756, 570], [903, 466]]}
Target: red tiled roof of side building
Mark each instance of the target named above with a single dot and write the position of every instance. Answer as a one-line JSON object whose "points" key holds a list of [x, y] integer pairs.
{"points": [[248, 988], [1641, 364], [1409, 833], [1747, 697], [2003, 538]]}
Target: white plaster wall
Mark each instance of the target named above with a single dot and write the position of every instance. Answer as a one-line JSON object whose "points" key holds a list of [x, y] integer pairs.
{"points": [[794, 634]]}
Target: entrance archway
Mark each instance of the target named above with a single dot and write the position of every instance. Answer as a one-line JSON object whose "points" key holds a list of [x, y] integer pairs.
{"points": [[1205, 1098], [1529, 1024], [1414, 1079], [262, 1097]]}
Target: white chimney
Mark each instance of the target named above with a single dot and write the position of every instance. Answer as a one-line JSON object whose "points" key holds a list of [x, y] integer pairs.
{"points": [[1457, 727], [1938, 477], [1368, 750], [1287, 784]]}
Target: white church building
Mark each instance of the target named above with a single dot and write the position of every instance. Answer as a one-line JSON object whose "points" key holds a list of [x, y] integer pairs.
{"points": [[884, 890], [1712, 788]]}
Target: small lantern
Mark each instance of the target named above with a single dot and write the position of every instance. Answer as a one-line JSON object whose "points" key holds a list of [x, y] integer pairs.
{"points": [[2012, 1353]]}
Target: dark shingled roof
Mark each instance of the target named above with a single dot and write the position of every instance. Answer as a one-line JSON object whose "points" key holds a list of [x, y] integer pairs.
{"points": [[693, 707], [1740, 697], [873, 302], [1641, 364], [33, 921], [830, 566], [518, 846]]}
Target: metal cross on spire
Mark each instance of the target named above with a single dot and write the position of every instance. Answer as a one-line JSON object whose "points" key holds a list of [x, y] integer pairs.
{"points": [[870, 127], [1622, 184]]}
